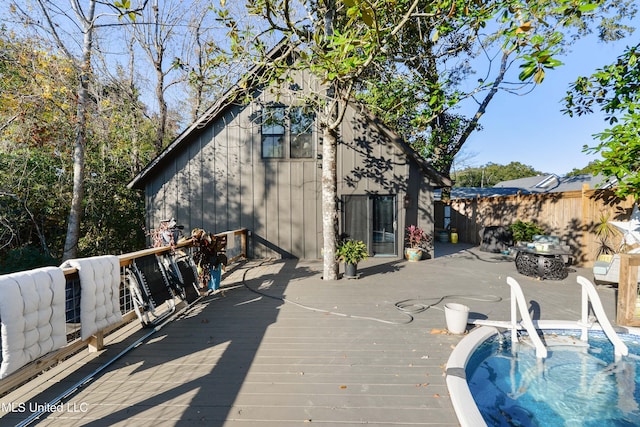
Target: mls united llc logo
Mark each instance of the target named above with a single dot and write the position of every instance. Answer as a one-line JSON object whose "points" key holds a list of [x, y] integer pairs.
{"points": [[21, 407]]}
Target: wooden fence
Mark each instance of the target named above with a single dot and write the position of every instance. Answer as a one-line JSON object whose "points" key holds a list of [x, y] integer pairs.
{"points": [[628, 313], [572, 215]]}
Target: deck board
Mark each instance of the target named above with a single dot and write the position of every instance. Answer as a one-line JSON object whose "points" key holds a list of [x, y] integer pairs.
{"points": [[335, 354]]}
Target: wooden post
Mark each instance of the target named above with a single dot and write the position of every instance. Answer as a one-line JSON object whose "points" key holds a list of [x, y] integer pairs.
{"points": [[96, 342], [628, 290], [243, 243], [584, 244]]}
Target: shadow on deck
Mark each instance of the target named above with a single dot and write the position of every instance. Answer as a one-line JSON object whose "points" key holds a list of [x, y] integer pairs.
{"points": [[333, 353]]}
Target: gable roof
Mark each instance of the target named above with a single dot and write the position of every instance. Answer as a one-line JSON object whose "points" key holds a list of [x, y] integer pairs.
{"points": [[249, 83], [439, 179], [229, 98]]}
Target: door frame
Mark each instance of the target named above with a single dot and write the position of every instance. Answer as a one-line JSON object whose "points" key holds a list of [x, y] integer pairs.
{"points": [[348, 201]]}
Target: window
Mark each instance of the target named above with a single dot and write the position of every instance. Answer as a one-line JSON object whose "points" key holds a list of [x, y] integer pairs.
{"points": [[447, 217], [273, 132], [287, 132], [301, 133]]}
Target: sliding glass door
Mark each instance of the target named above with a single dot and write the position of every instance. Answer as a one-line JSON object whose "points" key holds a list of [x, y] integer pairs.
{"points": [[372, 219]]}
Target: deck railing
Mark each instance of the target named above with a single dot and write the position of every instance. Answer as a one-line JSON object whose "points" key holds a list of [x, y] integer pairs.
{"points": [[236, 250]]}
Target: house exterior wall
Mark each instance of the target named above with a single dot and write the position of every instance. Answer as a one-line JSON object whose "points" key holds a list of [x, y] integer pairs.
{"points": [[219, 181], [370, 163]]}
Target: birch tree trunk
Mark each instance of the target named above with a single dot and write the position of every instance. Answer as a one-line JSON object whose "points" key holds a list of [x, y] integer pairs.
{"points": [[157, 39], [329, 204], [75, 213]]}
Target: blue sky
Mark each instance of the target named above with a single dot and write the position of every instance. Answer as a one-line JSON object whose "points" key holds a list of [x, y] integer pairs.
{"points": [[532, 130]]}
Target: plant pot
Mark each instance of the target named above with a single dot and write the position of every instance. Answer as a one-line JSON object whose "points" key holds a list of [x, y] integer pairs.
{"points": [[413, 254], [350, 271]]}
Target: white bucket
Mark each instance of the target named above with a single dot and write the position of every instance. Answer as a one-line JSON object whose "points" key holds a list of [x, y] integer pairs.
{"points": [[456, 316]]}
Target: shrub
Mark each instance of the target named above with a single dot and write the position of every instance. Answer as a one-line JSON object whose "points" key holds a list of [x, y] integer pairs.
{"points": [[352, 251], [25, 258], [524, 231]]}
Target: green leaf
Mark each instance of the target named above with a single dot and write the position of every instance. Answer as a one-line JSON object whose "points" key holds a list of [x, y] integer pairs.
{"points": [[528, 70], [367, 14], [551, 63], [587, 7]]}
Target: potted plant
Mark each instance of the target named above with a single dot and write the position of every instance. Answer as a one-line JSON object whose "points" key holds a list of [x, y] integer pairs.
{"points": [[604, 232], [351, 252], [523, 231], [418, 241]]}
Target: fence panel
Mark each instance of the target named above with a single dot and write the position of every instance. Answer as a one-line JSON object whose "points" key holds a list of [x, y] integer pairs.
{"points": [[572, 215]]}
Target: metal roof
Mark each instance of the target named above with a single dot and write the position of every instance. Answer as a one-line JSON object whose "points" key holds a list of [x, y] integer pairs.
{"points": [[473, 192], [550, 183]]}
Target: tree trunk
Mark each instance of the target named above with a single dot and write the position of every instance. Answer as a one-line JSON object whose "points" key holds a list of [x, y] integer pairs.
{"points": [[329, 169], [329, 205], [162, 107], [75, 213], [157, 62]]}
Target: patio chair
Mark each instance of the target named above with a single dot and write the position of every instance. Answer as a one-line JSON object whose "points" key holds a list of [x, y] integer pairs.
{"points": [[607, 269]]}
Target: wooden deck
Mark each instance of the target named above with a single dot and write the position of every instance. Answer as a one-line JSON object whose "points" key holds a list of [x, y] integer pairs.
{"points": [[335, 353]]}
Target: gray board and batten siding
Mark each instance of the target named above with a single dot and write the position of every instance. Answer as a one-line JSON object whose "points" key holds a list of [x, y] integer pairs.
{"points": [[214, 176]]}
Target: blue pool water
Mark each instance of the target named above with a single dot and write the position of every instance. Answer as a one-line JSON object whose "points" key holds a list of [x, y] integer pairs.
{"points": [[573, 386]]}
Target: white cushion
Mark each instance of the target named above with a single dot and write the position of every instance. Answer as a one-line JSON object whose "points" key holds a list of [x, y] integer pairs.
{"points": [[100, 293], [601, 267], [32, 316]]}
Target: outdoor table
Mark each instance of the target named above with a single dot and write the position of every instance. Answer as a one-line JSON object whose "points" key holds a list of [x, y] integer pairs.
{"points": [[545, 264]]}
